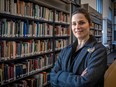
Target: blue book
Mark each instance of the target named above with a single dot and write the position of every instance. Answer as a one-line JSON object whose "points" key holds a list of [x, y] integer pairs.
{"points": [[0, 28], [24, 29], [37, 33], [6, 72]]}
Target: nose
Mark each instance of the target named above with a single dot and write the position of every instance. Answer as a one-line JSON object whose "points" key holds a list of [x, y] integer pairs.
{"points": [[77, 25]]}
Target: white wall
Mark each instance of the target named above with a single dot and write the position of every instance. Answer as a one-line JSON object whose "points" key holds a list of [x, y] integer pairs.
{"points": [[106, 5], [92, 3]]}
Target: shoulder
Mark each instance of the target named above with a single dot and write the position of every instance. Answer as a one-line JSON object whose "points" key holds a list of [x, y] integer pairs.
{"points": [[100, 49], [99, 53], [100, 46]]}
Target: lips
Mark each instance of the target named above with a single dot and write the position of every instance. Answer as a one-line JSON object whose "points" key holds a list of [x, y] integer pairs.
{"points": [[78, 31]]}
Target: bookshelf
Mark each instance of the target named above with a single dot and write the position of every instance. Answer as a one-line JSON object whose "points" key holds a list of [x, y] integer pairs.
{"points": [[30, 39], [114, 27], [114, 34], [107, 34], [96, 19], [33, 74]]}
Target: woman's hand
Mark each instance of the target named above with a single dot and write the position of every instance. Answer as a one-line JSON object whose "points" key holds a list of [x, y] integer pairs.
{"points": [[84, 72]]}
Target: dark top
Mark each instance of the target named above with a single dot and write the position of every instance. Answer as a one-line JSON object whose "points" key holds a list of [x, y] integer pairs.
{"points": [[73, 58]]}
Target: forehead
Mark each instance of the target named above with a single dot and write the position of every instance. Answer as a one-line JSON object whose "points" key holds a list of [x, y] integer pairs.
{"points": [[78, 16]]}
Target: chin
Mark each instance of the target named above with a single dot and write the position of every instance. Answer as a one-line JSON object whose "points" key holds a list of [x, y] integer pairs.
{"points": [[79, 37]]}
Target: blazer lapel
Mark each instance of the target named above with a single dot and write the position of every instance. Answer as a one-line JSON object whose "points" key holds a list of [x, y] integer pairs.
{"points": [[65, 61], [68, 56], [79, 59]]}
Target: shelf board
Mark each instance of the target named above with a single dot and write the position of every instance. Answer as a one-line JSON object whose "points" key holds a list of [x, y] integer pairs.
{"points": [[30, 38], [61, 23], [99, 29], [109, 36], [66, 1], [36, 72], [18, 59], [43, 3], [58, 50], [98, 36], [25, 38], [11, 16], [61, 37], [109, 40]]}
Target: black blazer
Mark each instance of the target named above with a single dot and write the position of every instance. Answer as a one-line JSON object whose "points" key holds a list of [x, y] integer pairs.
{"points": [[93, 56]]}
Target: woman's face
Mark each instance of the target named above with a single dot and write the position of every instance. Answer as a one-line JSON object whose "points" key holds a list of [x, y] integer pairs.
{"points": [[80, 26]]}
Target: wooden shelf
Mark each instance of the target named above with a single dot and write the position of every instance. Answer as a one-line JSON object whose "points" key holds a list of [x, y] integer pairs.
{"points": [[23, 41], [25, 38], [27, 76], [19, 59]]}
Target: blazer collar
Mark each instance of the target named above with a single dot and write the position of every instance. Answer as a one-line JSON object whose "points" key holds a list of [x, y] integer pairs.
{"points": [[91, 41]]}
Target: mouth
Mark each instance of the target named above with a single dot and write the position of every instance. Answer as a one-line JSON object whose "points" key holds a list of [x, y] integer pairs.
{"points": [[78, 31]]}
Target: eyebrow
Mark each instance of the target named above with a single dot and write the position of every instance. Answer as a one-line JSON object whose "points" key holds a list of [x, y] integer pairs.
{"points": [[80, 21]]}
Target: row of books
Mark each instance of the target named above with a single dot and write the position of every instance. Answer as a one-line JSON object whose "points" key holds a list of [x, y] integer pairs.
{"points": [[29, 9], [12, 71], [34, 29], [109, 38], [94, 32], [96, 26], [62, 17], [20, 28], [109, 32], [32, 10], [39, 80], [61, 43], [12, 49], [61, 31]]}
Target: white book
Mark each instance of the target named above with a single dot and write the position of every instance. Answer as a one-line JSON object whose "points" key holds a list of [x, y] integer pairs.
{"points": [[2, 6], [1, 79], [41, 80]]}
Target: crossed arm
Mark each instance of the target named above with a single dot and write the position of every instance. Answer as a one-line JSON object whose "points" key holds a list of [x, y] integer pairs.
{"points": [[89, 77]]}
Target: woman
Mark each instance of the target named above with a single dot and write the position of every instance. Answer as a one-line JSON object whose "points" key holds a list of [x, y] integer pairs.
{"points": [[83, 63]]}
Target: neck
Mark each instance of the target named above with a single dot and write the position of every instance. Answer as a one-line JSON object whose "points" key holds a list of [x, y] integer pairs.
{"points": [[81, 42]]}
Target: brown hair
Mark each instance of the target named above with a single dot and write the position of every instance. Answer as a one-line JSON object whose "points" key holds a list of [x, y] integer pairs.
{"points": [[84, 12]]}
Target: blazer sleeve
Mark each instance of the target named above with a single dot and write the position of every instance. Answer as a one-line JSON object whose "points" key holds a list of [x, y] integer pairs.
{"points": [[96, 68], [56, 70]]}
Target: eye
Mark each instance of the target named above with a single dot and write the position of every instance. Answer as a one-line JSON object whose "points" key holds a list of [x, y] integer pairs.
{"points": [[74, 23], [82, 22]]}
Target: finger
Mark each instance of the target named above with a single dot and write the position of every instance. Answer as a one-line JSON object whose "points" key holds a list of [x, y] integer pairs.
{"points": [[83, 73]]}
